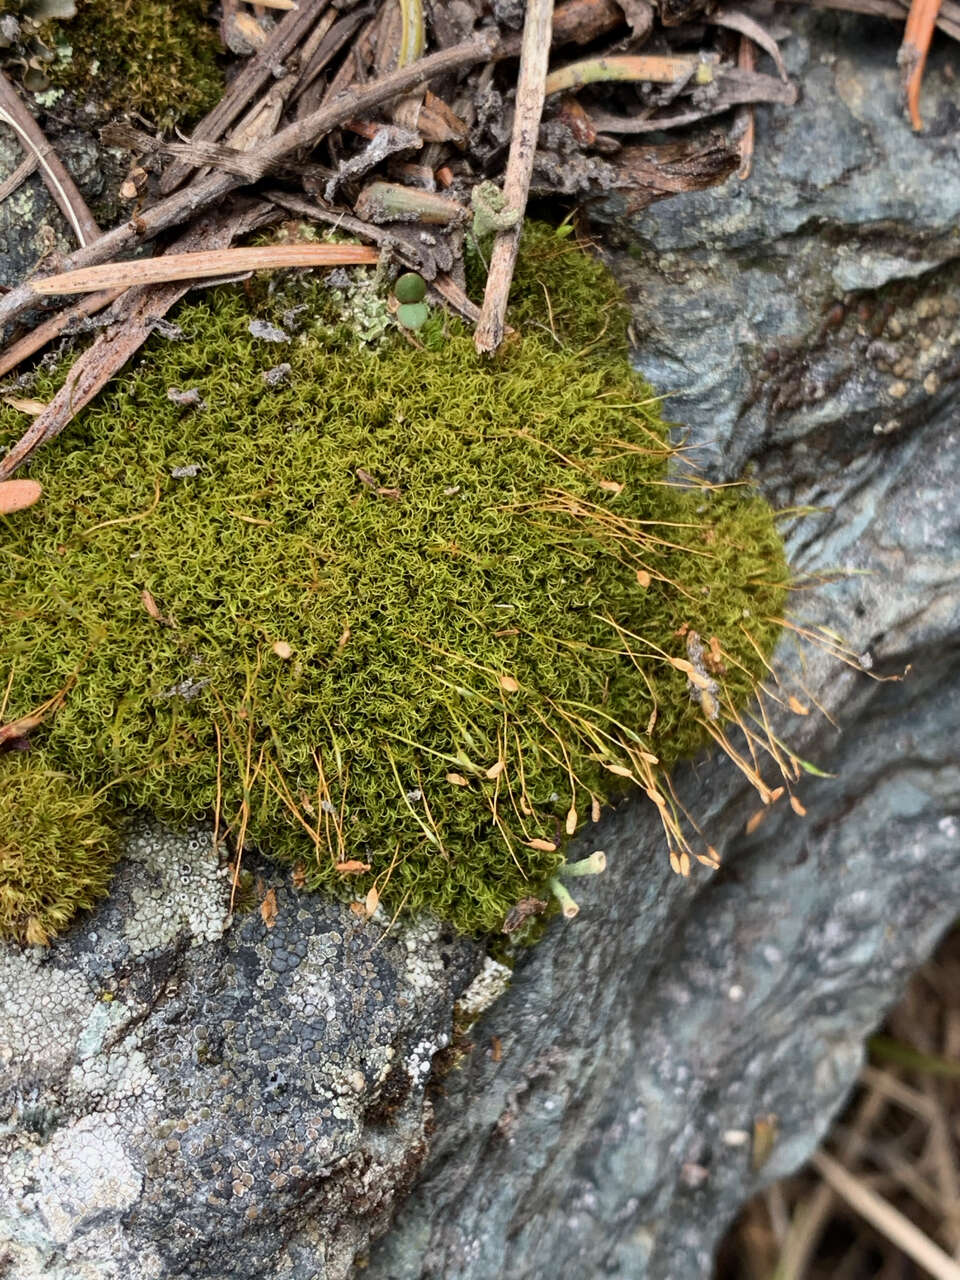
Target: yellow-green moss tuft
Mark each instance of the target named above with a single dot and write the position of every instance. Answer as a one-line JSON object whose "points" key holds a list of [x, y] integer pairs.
{"points": [[57, 850], [154, 56], [402, 608]]}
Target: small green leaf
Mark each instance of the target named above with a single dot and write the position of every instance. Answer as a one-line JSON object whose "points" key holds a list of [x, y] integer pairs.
{"points": [[812, 768], [413, 315]]}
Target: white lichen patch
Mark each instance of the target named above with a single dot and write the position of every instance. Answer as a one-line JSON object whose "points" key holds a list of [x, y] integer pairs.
{"points": [[423, 969], [488, 986], [40, 1019], [101, 1072], [186, 890], [82, 1172]]}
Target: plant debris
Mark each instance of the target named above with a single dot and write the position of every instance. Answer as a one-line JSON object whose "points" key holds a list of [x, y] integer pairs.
{"points": [[387, 125], [401, 132]]}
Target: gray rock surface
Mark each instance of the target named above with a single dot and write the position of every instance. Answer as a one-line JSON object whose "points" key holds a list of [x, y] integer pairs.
{"points": [[806, 324], [186, 1099], [176, 1101], [31, 225]]}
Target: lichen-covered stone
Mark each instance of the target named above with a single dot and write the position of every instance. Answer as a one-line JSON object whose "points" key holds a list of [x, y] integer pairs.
{"points": [[214, 1102]]}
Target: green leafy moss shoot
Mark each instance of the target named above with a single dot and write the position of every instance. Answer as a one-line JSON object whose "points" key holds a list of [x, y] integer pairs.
{"points": [[406, 609]]}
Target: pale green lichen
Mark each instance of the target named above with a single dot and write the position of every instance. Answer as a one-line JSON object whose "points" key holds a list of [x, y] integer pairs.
{"points": [[408, 610]]}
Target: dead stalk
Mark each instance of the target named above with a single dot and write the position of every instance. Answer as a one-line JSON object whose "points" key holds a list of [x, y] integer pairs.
{"points": [[203, 265], [534, 58]]}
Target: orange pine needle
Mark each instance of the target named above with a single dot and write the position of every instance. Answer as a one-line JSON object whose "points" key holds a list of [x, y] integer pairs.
{"points": [[912, 57]]}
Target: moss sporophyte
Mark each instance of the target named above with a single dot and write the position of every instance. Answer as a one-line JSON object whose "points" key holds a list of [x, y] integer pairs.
{"points": [[406, 618]]}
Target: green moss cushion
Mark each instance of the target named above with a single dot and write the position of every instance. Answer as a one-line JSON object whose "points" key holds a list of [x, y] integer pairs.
{"points": [[154, 56], [404, 608], [57, 850]]}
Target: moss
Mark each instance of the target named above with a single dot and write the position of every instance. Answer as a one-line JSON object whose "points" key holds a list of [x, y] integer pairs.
{"points": [[154, 56], [408, 608], [57, 851]]}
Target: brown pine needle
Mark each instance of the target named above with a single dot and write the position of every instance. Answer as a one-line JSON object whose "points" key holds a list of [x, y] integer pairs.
{"points": [[202, 266]]}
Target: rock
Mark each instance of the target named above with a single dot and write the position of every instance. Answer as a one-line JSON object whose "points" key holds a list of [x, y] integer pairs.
{"points": [[605, 1123], [182, 1098], [31, 225], [175, 1101], [760, 300]]}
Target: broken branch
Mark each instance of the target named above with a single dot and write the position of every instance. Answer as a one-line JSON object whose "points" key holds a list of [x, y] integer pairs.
{"points": [[255, 74], [205, 265], [531, 88], [51, 328]]}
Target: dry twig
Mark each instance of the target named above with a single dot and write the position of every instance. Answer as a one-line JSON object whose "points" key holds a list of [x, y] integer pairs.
{"points": [[887, 1220], [51, 328], [60, 184], [257, 73], [733, 86], [531, 82], [208, 191], [204, 265]]}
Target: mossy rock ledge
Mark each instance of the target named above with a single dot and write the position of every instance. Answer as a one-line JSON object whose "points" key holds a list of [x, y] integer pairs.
{"points": [[401, 616]]}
